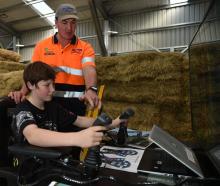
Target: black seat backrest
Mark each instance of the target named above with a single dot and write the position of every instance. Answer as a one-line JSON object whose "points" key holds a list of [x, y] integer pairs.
{"points": [[6, 107]]}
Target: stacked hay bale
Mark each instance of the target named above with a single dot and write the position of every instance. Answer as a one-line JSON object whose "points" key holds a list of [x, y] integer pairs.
{"points": [[205, 91], [154, 84], [8, 55], [10, 71]]}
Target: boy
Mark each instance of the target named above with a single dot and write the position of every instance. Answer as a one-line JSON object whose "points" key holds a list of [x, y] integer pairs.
{"points": [[38, 120]]}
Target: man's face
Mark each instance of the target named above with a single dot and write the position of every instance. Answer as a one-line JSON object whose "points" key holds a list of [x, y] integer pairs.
{"points": [[66, 28], [44, 90]]}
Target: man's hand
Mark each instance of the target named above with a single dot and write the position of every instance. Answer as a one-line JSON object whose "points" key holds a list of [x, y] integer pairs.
{"points": [[91, 98], [17, 96], [91, 136]]}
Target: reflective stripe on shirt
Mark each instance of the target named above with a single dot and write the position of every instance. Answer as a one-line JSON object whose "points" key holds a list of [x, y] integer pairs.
{"points": [[68, 94], [87, 59], [68, 70]]}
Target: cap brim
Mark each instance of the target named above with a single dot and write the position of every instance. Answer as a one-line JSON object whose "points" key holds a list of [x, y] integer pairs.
{"points": [[68, 17]]}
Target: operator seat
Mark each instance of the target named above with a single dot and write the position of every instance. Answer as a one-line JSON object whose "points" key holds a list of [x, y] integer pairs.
{"points": [[13, 157], [7, 171]]}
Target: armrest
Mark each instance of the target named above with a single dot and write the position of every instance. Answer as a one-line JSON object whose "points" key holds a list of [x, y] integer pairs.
{"points": [[30, 150]]}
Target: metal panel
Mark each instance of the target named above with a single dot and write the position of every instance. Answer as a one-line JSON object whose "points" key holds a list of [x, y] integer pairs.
{"points": [[170, 27], [86, 28], [94, 42], [5, 40], [26, 54], [30, 38]]}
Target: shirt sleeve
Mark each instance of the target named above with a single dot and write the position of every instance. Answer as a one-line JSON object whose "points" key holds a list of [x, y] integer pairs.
{"points": [[23, 118], [88, 56]]}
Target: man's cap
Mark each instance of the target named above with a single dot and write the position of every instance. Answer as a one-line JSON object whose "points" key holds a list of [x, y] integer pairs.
{"points": [[66, 11]]}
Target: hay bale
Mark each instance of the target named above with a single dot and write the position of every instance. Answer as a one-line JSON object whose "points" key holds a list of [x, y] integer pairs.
{"points": [[205, 91], [10, 81], [2, 58], [144, 92], [146, 115], [139, 66], [10, 76], [154, 84], [9, 66], [10, 55], [156, 78]]}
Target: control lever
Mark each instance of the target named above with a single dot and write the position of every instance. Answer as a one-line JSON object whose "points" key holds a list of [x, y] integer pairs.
{"points": [[122, 132], [102, 120], [93, 160], [127, 114]]}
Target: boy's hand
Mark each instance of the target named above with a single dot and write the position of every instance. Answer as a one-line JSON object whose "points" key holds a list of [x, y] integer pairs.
{"points": [[91, 136], [123, 118], [116, 122]]}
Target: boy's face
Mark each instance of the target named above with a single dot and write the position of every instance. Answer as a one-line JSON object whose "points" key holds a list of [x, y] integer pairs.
{"points": [[43, 90]]}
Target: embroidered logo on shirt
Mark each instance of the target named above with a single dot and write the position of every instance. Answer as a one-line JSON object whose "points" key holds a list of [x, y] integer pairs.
{"points": [[76, 50], [48, 52]]}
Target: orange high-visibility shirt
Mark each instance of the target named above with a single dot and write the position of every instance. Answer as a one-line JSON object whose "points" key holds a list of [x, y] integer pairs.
{"points": [[68, 62]]}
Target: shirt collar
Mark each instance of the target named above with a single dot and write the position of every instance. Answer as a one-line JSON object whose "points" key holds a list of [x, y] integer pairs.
{"points": [[55, 39]]}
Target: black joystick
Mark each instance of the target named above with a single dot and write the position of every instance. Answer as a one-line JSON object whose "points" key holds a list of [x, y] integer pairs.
{"points": [[102, 120], [93, 160], [122, 132], [127, 114]]}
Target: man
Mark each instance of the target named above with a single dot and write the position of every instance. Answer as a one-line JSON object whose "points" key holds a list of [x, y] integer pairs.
{"points": [[73, 60]]}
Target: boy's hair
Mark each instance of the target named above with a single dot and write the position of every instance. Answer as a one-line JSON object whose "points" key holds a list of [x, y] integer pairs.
{"points": [[38, 71]]}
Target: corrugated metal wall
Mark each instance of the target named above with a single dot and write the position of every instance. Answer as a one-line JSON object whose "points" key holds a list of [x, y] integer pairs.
{"points": [[29, 39], [171, 27], [168, 28], [86, 31], [5, 41]]}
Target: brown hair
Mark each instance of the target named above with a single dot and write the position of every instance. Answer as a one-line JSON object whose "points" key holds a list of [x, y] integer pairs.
{"points": [[37, 71]]}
